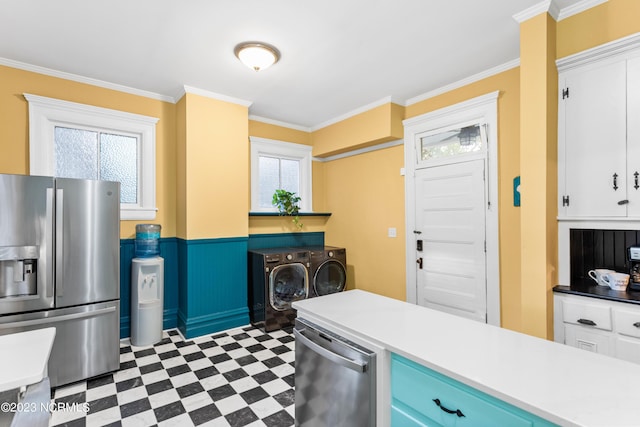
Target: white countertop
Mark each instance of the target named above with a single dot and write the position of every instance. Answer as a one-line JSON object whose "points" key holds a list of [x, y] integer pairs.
{"points": [[560, 383], [24, 357]]}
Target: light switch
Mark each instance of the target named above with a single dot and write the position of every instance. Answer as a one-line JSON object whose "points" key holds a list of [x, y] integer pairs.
{"points": [[392, 232]]}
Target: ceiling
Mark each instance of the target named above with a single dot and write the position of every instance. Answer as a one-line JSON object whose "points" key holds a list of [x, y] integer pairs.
{"points": [[337, 56]]}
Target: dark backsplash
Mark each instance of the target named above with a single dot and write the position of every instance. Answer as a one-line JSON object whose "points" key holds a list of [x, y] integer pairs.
{"points": [[592, 249]]}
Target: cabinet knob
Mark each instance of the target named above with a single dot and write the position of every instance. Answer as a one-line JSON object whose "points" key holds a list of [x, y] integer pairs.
{"points": [[637, 324], [623, 202]]}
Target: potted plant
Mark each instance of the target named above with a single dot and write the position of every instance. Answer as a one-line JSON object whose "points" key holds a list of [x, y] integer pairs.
{"points": [[287, 204]]}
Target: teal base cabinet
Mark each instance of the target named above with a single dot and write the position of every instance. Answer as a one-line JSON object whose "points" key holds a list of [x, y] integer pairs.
{"points": [[423, 397]]}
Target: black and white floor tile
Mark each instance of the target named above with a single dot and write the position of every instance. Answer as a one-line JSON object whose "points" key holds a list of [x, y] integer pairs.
{"points": [[240, 377]]}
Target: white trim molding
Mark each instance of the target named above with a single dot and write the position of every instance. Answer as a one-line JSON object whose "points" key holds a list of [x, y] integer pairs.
{"points": [[557, 13], [281, 149], [483, 110], [360, 110], [612, 49], [464, 82], [46, 113], [279, 123], [359, 151], [213, 95]]}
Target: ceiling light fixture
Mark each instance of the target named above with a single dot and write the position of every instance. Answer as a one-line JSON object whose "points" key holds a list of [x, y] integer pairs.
{"points": [[256, 55]]}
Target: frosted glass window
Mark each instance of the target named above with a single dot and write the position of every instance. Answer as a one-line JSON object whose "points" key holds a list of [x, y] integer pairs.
{"points": [[76, 153], [88, 154], [290, 175], [276, 173], [119, 162], [451, 143], [269, 179], [279, 165]]}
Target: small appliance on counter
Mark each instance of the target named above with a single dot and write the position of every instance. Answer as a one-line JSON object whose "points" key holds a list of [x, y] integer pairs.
{"points": [[634, 268]]}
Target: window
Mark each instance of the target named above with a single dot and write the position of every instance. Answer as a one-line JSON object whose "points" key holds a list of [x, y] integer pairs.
{"points": [[279, 165], [445, 144], [80, 141]]}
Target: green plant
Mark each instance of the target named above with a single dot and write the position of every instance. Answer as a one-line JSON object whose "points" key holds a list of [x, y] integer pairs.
{"points": [[287, 204]]}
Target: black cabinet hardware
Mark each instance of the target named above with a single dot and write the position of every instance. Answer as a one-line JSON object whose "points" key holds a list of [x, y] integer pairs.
{"points": [[457, 412], [637, 324], [419, 245], [623, 202], [635, 179], [419, 261], [587, 322], [615, 181]]}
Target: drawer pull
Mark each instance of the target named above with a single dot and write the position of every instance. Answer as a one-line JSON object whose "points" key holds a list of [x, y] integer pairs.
{"points": [[637, 324], [587, 322], [458, 412]]}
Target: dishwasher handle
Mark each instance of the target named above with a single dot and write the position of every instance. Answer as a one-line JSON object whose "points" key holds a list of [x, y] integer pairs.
{"points": [[336, 358]]}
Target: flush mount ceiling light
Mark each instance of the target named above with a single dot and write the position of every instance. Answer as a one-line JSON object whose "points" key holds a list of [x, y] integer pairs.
{"points": [[256, 55]]}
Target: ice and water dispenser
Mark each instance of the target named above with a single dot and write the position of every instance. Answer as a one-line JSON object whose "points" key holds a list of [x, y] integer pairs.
{"points": [[18, 266], [147, 286]]}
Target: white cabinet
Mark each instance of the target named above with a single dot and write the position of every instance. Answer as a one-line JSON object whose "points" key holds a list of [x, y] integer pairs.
{"points": [[601, 326], [599, 138]]}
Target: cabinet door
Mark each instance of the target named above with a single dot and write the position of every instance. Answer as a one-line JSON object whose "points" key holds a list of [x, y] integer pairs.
{"points": [[633, 136], [628, 349], [593, 135], [588, 339]]}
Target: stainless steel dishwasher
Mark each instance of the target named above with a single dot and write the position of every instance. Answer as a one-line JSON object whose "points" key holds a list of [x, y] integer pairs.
{"points": [[335, 382]]}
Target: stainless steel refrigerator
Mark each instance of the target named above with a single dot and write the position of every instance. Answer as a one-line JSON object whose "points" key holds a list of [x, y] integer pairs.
{"points": [[60, 266]]}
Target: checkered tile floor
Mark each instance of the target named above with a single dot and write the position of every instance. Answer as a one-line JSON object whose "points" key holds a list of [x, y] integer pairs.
{"points": [[241, 377]]}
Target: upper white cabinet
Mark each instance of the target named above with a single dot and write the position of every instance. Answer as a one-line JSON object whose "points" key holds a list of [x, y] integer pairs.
{"points": [[599, 135]]}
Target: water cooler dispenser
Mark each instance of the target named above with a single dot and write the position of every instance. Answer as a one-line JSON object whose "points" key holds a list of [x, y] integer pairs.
{"points": [[147, 287]]}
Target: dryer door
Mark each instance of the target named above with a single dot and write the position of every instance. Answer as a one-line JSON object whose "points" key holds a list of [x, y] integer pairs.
{"points": [[288, 283], [330, 278]]}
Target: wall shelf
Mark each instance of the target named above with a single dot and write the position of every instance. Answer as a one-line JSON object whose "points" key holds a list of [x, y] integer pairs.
{"points": [[299, 214]]}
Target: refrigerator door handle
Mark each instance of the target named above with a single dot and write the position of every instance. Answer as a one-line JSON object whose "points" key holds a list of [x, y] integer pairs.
{"points": [[48, 285], [59, 242], [49, 320]]}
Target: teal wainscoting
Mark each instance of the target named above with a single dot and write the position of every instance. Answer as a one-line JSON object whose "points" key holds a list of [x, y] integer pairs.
{"points": [[168, 251], [283, 240], [213, 285]]}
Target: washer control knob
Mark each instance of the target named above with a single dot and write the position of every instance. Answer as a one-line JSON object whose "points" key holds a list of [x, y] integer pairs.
{"points": [[330, 254], [289, 257]]}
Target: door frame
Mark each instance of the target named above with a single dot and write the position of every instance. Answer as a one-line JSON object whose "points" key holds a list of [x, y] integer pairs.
{"points": [[482, 109]]}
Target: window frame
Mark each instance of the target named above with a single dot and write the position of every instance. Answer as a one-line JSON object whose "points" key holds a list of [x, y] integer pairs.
{"points": [[286, 150], [47, 113]]}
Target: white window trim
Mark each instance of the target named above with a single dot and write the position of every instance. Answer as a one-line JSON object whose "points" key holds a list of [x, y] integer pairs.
{"points": [[47, 113], [271, 147]]}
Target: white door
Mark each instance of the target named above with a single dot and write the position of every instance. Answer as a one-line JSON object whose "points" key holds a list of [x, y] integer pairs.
{"points": [[450, 221]]}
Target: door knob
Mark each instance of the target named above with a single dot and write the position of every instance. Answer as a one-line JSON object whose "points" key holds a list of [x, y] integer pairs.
{"points": [[419, 261]]}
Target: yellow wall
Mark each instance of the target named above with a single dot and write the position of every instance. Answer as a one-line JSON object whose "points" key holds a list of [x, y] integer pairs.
{"points": [[365, 194], [279, 133], [14, 138], [508, 83], [216, 168], [538, 164], [375, 126], [609, 21]]}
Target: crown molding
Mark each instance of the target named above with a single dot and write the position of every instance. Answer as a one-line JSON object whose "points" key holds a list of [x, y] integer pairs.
{"points": [[464, 82], [207, 94], [279, 123], [360, 151], [364, 108], [551, 7], [85, 80]]}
